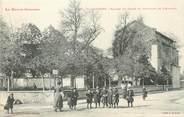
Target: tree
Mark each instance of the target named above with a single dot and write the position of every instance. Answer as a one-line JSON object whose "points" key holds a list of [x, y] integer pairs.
{"points": [[131, 43], [9, 59], [80, 30], [165, 75]]}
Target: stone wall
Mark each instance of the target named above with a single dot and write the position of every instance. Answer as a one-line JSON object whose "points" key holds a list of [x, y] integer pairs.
{"points": [[29, 96], [47, 97]]}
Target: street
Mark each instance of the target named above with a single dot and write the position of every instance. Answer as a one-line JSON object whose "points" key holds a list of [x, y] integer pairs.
{"points": [[167, 104]]}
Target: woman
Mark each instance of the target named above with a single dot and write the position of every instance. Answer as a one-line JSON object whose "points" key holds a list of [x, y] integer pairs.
{"points": [[9, 103]]}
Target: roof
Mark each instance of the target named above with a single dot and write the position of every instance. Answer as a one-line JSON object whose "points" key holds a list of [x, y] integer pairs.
{"points": [[159, 33]]}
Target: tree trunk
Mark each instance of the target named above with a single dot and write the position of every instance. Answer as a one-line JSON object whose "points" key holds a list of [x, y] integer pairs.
{"points": [[119, 80], [105, 83], [12, 81], [109, 81], [72, 81], [93, 81], [43, 83], [50, 81], [8, 88]]}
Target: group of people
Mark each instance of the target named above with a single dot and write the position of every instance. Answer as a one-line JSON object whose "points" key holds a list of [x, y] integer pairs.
{"points": [[72, 97], [108, 97]]}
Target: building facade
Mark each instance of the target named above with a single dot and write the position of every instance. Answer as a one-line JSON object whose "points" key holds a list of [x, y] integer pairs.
{"points": [[161, 49]]}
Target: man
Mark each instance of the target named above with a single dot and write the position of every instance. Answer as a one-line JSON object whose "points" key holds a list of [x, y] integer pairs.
{"points": [[89, 99], [104, 97], [130, 97]]}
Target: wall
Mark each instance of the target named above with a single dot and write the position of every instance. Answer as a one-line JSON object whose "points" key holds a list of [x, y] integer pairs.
{"points": [[48, 82], [29, 96], [176, 77], [47, 97]]}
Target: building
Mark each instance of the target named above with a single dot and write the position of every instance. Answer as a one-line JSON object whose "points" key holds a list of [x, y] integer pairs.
{"points": [[162, 50]]}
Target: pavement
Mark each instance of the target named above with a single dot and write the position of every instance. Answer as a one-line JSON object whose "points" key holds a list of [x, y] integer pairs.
{"points": [[163, 104]]}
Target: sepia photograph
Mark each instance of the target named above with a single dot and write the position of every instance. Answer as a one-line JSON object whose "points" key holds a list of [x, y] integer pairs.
{"points": [[91, 58]]}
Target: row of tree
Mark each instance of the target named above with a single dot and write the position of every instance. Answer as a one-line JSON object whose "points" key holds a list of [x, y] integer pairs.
{"points": [[70, 49]]}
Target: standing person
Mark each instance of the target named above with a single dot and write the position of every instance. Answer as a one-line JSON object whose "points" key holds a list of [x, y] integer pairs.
{"points": [[69, 99], [89, 99], [125, 91], [115, 98], [109, 97], [145, 93], [9, 103], [130, 97], [97, 97], [75, 95], [58, 98], [104, 97]]}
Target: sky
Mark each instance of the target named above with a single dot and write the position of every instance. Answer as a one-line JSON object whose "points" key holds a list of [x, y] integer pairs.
{"points": [[165, 15]]}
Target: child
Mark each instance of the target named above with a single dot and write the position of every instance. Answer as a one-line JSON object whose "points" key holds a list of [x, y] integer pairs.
{"points": [[89, 97], [130, 97], [97, 97]]}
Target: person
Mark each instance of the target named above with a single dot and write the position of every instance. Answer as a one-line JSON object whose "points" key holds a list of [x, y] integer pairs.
{"points": [[89, 99], [115, 98], [34, 86], [58, 98], [130, 97], [125, 92], [104, 97], [75, 95], [97, 97], [9, 103], [69, 99], [110, 97], [145, 93]]}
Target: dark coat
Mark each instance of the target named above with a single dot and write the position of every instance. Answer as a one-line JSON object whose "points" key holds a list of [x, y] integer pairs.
{"points": [[9, 102], [69, 98], [89, 97], [145, 93], [115, 96], [74, 97], [97, 97], [104, 96], [130, 95]]}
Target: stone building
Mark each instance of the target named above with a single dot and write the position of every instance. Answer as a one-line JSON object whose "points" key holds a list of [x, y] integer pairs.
{"points": [[162, 49]]}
